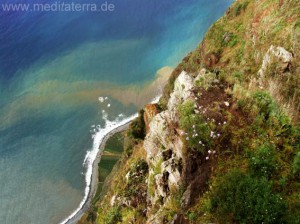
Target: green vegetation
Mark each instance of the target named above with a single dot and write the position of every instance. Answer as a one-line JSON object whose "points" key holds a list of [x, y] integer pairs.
{"points": [[112, 153], [92, 215], [240, 7], [114, 216], [135, 133], [197, 132], [137, 127], [206, 80], [266, 167], [192, 216], [115, 143], [263, 162], [296, 164], [173, 205], [136, 178], [254, 175], [238, 197], [126, 182]]}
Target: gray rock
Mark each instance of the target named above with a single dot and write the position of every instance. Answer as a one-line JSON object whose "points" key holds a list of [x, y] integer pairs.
{"points": [[186, 197]]}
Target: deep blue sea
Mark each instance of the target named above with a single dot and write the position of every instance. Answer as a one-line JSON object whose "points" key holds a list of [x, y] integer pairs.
{"points": [[54, 66]]}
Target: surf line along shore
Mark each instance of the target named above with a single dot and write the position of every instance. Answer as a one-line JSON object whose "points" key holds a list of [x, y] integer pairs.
{"points": [[115, 127], [94, 178]]}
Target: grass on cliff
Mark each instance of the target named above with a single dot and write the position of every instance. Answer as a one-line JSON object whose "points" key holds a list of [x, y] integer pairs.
{"points": [[127, 181], [237, 43], [130, 163], [255, 174], [267, 181], [264, 140]]}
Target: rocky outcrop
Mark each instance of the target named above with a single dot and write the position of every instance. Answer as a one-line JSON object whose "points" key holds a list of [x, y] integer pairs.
{"points": [[164, 146], [184, 171], [282, 57], [150, 112], [186, 197], [182, 90]]}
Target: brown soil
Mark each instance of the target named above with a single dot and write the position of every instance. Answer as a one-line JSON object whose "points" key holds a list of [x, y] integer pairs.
{"points": [[197, 170]]}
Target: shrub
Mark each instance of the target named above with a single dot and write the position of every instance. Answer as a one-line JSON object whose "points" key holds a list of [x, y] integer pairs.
{"points": [[296, 164], [186, 109], [136, 179], [138, 172], [259, 103], [294, 208], [238, 76], [193, 124], [241, 103], [137, 128], [140, 166], [128, 146], [206, 80], [192, 216], [238, 8], [241, 198], [263, 162], [233, 41], [92, 215], [114, 216], [264, 103]]}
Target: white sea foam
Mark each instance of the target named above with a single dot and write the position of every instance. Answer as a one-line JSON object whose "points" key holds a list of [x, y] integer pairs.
{"points": [[91, 155], [156, 99]]}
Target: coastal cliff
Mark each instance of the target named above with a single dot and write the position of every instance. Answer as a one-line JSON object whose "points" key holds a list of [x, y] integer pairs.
{"points": [[223, 143]]}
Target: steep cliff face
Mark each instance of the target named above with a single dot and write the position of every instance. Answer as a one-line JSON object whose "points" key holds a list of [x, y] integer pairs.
{"points": [[223, 144], [164, 147]]}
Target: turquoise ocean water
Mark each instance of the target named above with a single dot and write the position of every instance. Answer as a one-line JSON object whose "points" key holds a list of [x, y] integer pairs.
{"points": [[53, 68]]}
